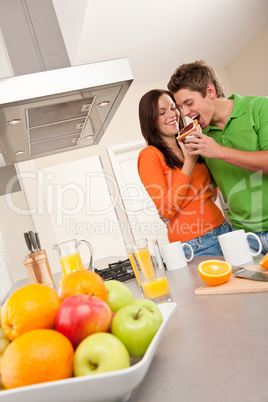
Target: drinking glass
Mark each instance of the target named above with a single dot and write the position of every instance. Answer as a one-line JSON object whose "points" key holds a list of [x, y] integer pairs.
{"points": [[150, 270], [133, 265]]}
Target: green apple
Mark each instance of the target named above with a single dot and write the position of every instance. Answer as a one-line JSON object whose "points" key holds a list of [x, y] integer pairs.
{"points": [[118, 295], [135, 326], [1, 385], [4, 341], [2, 333], [152, 307], [99, 353]]}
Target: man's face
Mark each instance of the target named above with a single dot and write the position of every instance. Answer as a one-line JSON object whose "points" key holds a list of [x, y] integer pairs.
{"points": [[195, 106]]}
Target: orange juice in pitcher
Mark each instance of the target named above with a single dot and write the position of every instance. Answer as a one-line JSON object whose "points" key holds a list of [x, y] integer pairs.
{"points": [[71, 263], [70, 258]]}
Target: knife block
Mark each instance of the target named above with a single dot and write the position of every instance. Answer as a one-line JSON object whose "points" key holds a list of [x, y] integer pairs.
{"points": [[41, 272]]}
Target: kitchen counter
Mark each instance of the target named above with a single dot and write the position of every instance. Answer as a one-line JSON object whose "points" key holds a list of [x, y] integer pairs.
{"points": [[215, 349]]}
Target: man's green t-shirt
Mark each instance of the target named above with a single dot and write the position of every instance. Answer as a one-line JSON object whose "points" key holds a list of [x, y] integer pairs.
{"points": [[246, 192]]}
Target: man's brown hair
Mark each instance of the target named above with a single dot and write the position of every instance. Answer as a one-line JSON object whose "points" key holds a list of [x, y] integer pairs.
{"points": [[195, 77]]}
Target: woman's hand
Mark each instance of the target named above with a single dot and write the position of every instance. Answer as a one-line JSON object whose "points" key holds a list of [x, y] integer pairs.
{"points": [[187, 153], [190, 157]]}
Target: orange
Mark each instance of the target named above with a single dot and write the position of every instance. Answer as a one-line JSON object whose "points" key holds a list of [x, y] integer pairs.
{"points": [[264, 262], [29, 307], [215, 272], [82, 282], [38, 356]]}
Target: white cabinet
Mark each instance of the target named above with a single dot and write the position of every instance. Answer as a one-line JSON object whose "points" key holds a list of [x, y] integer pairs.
{"points": [[141, 212]]}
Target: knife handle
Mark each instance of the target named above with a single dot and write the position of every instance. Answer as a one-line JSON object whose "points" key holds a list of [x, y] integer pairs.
{"points": [[33, 240], [28, 241], [38, 241]]}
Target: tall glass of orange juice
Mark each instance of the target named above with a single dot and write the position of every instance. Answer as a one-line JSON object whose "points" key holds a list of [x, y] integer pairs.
{"points": [[149, 270], [133, 265]]}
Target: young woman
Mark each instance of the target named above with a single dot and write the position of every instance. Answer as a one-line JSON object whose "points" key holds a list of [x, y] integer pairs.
{"points": [[178, 183]]}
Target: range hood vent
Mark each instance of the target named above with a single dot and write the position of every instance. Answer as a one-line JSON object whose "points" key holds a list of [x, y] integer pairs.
{"points": [[58, 126], [59, 110]]}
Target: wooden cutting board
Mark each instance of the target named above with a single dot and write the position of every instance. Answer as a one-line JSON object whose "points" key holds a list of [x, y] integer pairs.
{"points": [[236, 285]]}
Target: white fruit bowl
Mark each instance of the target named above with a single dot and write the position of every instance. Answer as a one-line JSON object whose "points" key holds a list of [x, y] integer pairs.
{"points": [[109, 387]]}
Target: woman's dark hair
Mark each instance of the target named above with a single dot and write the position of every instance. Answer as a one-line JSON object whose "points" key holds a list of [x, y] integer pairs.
{"points": [[148, 115]]}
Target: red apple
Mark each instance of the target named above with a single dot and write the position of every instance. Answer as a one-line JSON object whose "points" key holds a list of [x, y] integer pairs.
{"points": [[82, 315]]}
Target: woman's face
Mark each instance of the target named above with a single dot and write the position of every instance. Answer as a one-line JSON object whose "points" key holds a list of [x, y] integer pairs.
{"points": [[168, 116]]}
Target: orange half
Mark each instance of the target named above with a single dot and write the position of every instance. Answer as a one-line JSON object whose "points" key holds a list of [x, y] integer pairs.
{"points": [[264, 262], [215, 272]]}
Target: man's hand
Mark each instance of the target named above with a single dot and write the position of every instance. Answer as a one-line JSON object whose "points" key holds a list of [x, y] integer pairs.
{"points": [[203, 145], [254, 161]]}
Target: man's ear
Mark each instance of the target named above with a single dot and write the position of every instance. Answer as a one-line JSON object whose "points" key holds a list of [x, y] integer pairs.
{"points": [[211, 93]]}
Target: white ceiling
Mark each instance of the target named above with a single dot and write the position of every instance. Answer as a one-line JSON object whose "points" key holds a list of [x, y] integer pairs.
{"points": [[158, 35]]}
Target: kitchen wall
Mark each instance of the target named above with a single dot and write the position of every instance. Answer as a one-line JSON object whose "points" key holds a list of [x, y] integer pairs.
{"points": [[245, 75], [248, 72]]}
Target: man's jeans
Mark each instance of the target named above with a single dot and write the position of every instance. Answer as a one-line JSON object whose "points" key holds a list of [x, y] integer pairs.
{"points": [[208, 244]]}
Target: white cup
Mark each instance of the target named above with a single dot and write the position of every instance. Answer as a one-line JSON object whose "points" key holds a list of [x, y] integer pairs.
{"points": [[174, 257], [235, 247]]}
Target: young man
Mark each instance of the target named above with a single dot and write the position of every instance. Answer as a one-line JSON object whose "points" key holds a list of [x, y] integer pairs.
{"points": [[233, 142]]}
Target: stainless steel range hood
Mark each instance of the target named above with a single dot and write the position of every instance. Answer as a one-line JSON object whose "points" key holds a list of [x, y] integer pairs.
{"points": [[59, 110], [57, 107]]}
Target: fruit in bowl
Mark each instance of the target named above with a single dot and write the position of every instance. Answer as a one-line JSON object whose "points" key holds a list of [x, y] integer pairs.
{"points": [[215, 272], [152, 307], [118, 295], [81, 315], [82, 282], [32, 306], [4, 341], [135, 325], [37, 356], [76, 318], [100, 353]]}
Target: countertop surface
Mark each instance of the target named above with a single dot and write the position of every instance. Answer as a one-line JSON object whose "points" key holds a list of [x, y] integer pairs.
{"points": [[215, 349]]}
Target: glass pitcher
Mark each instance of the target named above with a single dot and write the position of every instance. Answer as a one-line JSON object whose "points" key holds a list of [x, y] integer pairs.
{"points": [[69, 255]]}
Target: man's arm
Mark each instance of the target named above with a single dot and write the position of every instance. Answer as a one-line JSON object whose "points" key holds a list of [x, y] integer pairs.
{"points": [[254, 161]]}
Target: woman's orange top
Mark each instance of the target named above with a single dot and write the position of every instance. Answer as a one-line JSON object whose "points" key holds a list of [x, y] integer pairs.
{"points": [[186, 200]]}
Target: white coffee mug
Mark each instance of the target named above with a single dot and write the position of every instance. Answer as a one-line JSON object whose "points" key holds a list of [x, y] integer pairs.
{"points": [[235, 247], [174, 257]]}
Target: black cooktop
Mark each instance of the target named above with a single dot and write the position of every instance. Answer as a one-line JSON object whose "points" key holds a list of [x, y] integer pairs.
{"points": [[120, 271]]}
